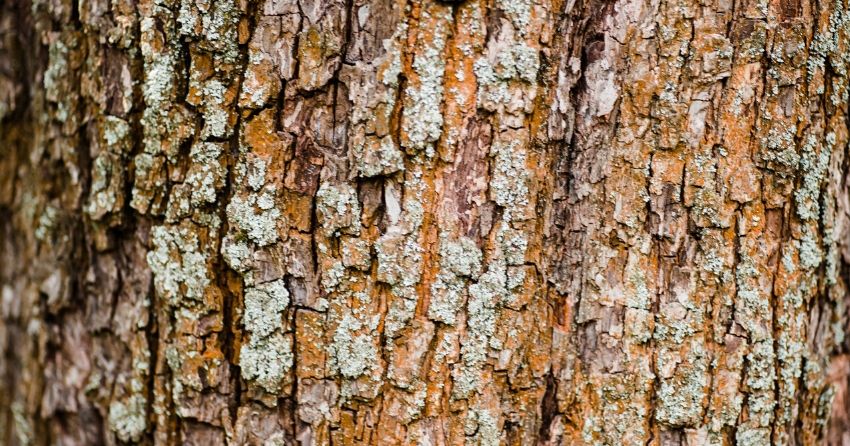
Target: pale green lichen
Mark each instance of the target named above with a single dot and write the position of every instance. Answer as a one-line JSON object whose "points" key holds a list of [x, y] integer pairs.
{"points": [[218, 27], [680, 398], [458, 260], [826, 44], [23, 427], [809, 249], [761, 377], [264, 307], [179, 268], [338, 209], [236, 253], [495, 89], [400, 266], [519, 62], [446, 295], [790, 351], [813, 166], [519, 11], [256, 90], [254, 172], [46, 222], [509, 183], [355, 253], [206, 175], [106, 184], [128, 418], [461, 257], [267, 357], [752, 311], [256, 215], [378, 157], [422, 120], [750, 436], [513, 243], [332, 276], [640, 296], [267, 360], [780, 148], [115, 132], [481, 428], [159, 70], [485, 297], [216, 119], [55, 74], [353, 351]]}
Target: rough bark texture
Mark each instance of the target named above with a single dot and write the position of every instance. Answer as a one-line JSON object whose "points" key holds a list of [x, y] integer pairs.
{"points": [[424, 222]]}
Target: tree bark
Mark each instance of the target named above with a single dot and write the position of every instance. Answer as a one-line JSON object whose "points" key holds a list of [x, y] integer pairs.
{"points": [[591, 222]]}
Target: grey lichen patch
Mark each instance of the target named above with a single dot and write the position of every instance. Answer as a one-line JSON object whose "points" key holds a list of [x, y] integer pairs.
{"points": [[215, 24], [422, 120], [519, 11], [400, 266], [619, 420], [207, 173], [378, 157], [267, 361], [519, 62], [761, 377], [56, 74], [115, 132], [458, 260], [159, 84], [256, 215], [254, 172], [790, 351], [512, 244], [827, 43], [496, 88], [813, 165], [750, 436], [461, 257], [128, 418], [673, 326], [179, 267], [46, 222], [485, 297], [640, 297], [236, 253], [751, 308], [23, 426], [482, 428], [353, 352], [706, 207], [332, 275], [264, 307], [681, 397], [809, 249], [338, 209], [267, 356], [509, 184], [398, 259], [262, 81], [107, 183], [215, 110], [637, 325]]}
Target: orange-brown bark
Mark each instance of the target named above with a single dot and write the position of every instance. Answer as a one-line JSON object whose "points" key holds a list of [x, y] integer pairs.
{"points": [[424, 222]]}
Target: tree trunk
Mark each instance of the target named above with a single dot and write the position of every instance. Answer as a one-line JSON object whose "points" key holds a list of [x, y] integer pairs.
{"points": [[591, 222]]}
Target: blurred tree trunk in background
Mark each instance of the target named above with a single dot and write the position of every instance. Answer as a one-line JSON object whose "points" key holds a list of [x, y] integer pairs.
{"points": [[601, 222]]}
